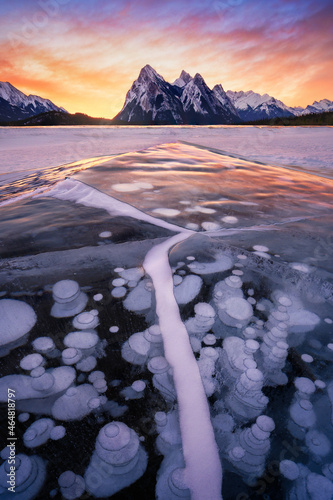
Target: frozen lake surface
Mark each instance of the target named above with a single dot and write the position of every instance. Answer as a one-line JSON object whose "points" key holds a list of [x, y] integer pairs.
{"points": [[166, 313], [39, 147]]}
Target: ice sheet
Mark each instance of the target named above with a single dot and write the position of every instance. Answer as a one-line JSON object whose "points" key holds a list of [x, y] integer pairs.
{"points": [[39, 147]]}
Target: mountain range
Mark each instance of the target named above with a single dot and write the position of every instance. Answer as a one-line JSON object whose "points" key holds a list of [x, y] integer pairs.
{"points": [[189, 100], [151, 100]]}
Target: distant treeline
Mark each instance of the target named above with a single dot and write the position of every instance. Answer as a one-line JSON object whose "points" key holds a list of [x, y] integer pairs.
{"points": [[312, 119], [58, 118], [53, 118]]}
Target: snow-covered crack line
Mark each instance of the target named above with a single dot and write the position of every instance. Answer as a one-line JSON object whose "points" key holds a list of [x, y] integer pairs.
{"points": [[203, 470]]}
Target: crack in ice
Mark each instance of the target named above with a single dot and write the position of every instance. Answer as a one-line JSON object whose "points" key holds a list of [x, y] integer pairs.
{"points": [[203, 470]]}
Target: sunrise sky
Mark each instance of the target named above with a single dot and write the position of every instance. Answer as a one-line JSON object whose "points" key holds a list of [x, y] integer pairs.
{"points": [[85, 54]]}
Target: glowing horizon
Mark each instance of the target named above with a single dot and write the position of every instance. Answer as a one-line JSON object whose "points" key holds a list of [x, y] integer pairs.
{"points": [[85, 54]]}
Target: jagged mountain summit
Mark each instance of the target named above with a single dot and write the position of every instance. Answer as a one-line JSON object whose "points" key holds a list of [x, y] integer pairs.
{"points": [[153, 101], [204, 106], [15, 105], [318, 107], [183, 80]]}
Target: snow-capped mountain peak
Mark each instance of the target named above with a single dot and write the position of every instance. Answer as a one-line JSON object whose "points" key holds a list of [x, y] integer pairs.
{"points": [[16, 105], [148, 74], [151, 100], [183, 80], [318, 107]]}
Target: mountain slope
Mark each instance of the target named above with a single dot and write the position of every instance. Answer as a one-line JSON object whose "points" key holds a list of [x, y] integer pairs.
{"points": [[15, 105]]}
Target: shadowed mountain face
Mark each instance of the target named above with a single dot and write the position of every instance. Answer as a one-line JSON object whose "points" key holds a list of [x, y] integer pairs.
{"points": [[15, 105], [152, 100]]}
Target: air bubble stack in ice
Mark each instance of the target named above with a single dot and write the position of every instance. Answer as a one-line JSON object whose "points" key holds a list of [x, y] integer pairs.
{"points": [[38, 433], [250, 447], [188, 289], [224, 426], [37, 393], [139, 299], [206, 363], [135, 391], [45, 346], [75, 403], [306, 484], [170, 483], [162, 378], [30, 474], [274, 363], [142, 346], [16, 320], [203, 320], [247, 401], [274, 351], [86, 321], [169, 437], [68, 299], [233, 310], [235, 358], [118, 461], [302, 415], [72, 485]]}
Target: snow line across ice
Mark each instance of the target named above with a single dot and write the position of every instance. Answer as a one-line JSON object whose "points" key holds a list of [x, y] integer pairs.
{"points": [[203, 470], [78, 192]]}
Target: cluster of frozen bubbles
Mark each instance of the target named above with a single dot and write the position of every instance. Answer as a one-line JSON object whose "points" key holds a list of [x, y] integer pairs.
{"points": [[241, 344]]}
